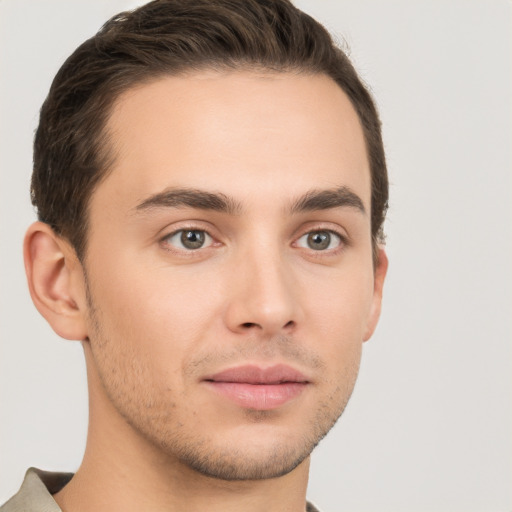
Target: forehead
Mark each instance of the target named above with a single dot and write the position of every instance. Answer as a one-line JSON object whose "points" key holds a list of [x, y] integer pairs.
{"points": [[241, 133]]}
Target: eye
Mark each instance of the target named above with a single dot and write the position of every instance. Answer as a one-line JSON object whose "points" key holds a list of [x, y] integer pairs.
{"points": [[189, 239], [320, 240]]}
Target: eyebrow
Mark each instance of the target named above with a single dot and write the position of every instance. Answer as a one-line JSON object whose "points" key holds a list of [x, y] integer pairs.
{"points": [[314, 200], [191, 198], [341, 197]]}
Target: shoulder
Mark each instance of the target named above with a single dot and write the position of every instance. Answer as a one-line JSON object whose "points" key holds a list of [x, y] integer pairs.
{"points": [[309, 507], [35, 494]]}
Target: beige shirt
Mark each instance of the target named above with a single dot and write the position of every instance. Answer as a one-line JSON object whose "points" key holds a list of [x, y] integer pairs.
{"points": [[35, 494]]}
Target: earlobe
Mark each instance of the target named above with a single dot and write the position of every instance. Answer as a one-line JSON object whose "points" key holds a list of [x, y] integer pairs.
{"points": [[378, 284], [55, 280]]}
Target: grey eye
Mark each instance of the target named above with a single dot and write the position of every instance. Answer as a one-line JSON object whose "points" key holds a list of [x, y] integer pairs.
{"points": [[319, 240], [190, 239]]}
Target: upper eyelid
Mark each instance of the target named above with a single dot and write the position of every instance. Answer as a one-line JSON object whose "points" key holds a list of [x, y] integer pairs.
{"points": [[188, 228], [324, 230], [321, 226], [186, 225]]}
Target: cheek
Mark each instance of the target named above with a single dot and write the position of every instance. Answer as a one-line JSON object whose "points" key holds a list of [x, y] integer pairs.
{"points": [[336, 316], [339, 305], [161, 313]]}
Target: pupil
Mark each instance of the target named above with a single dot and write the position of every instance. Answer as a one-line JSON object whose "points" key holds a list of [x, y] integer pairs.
{"points": [[319, 241], [192, 239]]}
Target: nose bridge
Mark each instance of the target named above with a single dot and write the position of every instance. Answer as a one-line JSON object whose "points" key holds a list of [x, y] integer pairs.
{"points": [[264, 297]]}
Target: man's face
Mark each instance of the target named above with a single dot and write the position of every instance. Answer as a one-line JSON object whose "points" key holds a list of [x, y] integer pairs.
{"points": [[229, 268]]}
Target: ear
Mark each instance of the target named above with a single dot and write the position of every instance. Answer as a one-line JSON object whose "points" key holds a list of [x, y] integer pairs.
{"points": [[56, 281], [380, 271]]}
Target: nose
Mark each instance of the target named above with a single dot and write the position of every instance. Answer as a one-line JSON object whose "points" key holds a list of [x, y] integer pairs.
{"points": [[262, 298]]}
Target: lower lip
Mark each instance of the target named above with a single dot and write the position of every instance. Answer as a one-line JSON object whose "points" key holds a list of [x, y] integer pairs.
{"points": [[261, 397]]}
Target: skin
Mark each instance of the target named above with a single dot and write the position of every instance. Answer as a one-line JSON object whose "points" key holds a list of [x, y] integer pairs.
{"points": [[156, 318]]}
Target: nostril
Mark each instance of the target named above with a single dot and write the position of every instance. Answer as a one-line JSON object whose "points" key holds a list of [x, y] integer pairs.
{"points": [[250, 325]]}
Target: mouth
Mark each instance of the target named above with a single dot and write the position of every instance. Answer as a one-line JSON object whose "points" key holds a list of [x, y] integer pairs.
{"points": [[253, 387]]}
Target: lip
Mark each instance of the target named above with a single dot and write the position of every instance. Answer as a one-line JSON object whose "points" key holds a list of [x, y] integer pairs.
{"points": [[254, 387]]}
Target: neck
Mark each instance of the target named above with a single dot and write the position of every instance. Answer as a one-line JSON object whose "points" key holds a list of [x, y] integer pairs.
{"points": [[123, 471]]}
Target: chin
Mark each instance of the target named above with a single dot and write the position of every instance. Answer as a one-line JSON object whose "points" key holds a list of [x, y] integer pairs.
{"points": [[242, 466], [256, 452]]}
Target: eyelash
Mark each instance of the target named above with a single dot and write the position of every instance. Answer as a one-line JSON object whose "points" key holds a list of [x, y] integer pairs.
{"points": [[343, 242]]}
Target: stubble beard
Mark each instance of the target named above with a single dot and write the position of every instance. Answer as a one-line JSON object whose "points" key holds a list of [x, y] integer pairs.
{"points": [[236, 464], [155, 417]]}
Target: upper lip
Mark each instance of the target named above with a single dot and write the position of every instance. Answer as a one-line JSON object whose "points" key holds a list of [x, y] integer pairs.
{"points": [[253, 374]]}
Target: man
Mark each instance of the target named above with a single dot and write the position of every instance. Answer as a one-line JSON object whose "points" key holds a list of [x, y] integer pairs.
{"points": [[211, 187]]}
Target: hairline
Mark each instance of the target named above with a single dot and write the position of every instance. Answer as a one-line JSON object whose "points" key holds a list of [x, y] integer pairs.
{"points": [[109, 93]]}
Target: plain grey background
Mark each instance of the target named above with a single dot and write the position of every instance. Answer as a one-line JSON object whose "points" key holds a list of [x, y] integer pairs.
{"points": [[429, 427]]}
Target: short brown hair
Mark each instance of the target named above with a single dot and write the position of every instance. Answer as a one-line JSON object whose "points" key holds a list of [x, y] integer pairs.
{"points": [[71, 149]]}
